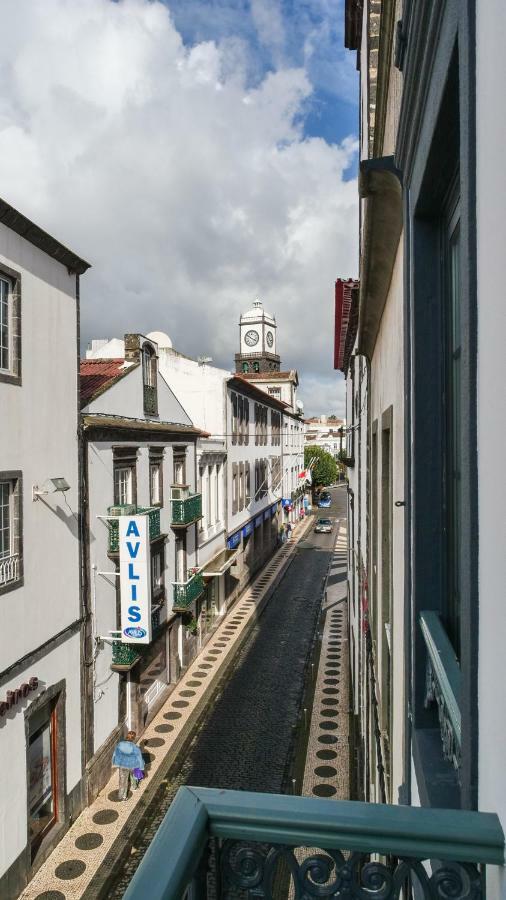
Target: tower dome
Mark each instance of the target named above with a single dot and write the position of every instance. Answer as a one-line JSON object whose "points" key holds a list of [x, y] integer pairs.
{"points": [[257, 311], [160, 338]]}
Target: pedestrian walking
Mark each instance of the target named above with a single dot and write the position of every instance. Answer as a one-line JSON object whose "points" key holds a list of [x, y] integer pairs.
{"points": [[282, 535], [128, 757], [288, 530]]}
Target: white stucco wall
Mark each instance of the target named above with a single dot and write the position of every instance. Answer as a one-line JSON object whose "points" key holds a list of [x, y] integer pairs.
{"points": [[387, 390], [39, 438], [199, 387], [126, 397], [490, 193], [61, 664]]}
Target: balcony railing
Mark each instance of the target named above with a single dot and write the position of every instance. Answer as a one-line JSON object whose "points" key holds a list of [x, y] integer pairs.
{"points": [[365, 850], [186, 510], [9, 569], [124, 656], [185, 592], [152, 512], [443, 684]]}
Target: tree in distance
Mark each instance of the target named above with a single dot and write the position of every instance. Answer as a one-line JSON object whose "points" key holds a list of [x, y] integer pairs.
{"points": [[324, 471]]}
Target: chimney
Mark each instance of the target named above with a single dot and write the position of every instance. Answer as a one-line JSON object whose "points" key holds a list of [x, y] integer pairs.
{"points": [[132, 348]]}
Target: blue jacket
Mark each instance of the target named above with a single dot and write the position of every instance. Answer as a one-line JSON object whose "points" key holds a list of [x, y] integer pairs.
{"points": [[128, 756]]}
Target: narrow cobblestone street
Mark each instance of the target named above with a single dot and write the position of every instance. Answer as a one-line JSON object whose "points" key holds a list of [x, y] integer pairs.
{"points": [[246, 740]]}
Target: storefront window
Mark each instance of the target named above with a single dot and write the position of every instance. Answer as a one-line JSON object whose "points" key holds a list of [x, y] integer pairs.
{"points": [[41, 775]]}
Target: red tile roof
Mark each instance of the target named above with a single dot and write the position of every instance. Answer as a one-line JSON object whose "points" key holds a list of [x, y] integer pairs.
{"points": [[98, 374]]}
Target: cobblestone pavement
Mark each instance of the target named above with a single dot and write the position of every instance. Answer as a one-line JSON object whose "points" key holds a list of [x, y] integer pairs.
{"points": [[246, 740]]}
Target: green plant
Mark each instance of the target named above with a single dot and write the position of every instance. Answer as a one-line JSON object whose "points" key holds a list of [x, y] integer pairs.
{"points": [[191, 625], [324, 471]]}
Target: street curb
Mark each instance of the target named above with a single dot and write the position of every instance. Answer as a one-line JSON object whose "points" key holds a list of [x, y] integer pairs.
{"points": [[120, 850]]}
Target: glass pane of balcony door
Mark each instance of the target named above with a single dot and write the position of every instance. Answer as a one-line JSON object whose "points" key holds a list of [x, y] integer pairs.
{"points": [[42, 807]]}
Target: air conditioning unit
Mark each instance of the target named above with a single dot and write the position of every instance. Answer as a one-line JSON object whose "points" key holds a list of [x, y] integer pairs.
{"points": [[127, 510], [179, 491]]}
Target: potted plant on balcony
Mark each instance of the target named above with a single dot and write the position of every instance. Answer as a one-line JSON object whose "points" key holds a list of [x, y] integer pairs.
{"points": [[191, 625]]}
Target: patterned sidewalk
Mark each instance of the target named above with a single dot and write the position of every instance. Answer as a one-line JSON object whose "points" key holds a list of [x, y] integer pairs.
{"points": [[327, 768], [67, 873]]}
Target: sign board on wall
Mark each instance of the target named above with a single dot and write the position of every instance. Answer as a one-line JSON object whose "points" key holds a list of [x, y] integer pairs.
{"points": [[135, 579]]}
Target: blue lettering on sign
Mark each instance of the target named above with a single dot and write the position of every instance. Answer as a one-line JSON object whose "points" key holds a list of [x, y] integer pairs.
{"points": [[135, 633], [132, 529], [133, 588], [133, 551], [131, 574], [134, 614]]}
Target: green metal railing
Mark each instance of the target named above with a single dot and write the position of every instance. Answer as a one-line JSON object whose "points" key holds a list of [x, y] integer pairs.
{"points": [[185, 593], [443, 683], [257, 833], [186, 510], [124, 654], [152, 512]]}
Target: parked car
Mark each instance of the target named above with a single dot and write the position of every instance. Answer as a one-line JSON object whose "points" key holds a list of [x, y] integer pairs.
{"points": [[323, 526]]}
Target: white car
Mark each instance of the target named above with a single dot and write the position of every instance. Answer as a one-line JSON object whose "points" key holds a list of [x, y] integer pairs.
{"points": [[323, 526]]}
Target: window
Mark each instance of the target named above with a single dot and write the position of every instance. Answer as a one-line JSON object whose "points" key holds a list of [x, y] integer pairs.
{"points": [[275, 392], [209, 505], [42, 775], [123, 483], [240, 409], [10, 530], [217, 496], [179, 468], [10, 326], [241, 485], [234, 488], [233, 398], [247, 482], [256, 367], [246, 420], [245, 367], [149, 373], [453, 425], [5, 326], [155, 477], [157, 573]]}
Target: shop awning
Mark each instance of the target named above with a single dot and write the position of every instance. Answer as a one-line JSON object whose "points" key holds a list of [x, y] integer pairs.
{"points": [[219, 564]]}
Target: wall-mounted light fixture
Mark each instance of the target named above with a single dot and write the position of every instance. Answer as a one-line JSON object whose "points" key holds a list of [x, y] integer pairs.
{"points": [[59, 484]]}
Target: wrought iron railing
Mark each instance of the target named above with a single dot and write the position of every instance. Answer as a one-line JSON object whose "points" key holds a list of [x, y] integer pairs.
{"points": [[124, 656], [150, 400], [243, 845], [152, 512], [186, 510], [443, 684], [187, 591], [9, 569]]}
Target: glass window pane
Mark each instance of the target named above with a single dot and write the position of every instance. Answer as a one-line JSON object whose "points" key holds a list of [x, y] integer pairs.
{"points": [[5, 519]]}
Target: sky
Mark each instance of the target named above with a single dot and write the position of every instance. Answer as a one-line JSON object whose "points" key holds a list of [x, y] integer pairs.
{"points": [[199, 154]]}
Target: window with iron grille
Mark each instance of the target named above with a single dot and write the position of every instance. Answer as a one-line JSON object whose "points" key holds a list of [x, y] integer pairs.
{"points": [[10, 530]]}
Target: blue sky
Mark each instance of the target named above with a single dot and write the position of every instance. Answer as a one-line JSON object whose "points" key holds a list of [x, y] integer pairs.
{"points": [[279, 33], [214, 163]]}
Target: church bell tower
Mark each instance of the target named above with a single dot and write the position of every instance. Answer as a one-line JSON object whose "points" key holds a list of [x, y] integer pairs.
{"points": [[257, 334]]}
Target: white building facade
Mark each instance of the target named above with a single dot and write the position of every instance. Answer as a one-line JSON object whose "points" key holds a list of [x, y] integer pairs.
{"points": [[139, 459], [40, 679], [420, 346]]}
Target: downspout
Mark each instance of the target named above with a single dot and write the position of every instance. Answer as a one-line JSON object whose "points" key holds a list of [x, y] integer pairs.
{"points": [[408, 593]]}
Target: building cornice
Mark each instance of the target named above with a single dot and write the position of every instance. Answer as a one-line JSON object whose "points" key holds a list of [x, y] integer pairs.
{"points": [[381, 189], [26, 229]]}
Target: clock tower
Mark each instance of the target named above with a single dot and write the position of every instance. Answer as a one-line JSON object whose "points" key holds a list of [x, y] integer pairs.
{"points": [[257, 332]]}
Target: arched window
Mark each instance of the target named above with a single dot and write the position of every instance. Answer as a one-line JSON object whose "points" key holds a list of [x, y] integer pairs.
{"points": [[245, 367], [256, 367], [149, 370]]}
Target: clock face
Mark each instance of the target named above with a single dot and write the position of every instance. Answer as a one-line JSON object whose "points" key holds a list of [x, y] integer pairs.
{"points": [[251, 338], [270, 338]]}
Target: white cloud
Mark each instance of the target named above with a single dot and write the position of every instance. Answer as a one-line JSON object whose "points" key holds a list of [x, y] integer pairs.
{"points": [[190, 192]]}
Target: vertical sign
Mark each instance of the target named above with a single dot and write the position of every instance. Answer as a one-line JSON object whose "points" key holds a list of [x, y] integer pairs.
{"points": [[135, 579]]}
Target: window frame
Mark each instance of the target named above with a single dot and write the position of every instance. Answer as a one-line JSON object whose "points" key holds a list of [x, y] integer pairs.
{"points": [[12, 374], [14, 478]]}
